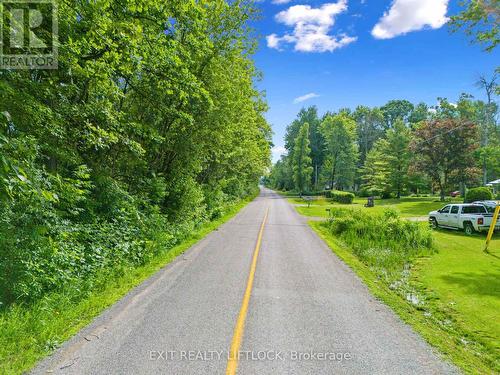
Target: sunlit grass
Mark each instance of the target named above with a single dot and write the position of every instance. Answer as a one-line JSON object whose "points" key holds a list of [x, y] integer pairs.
{"points": [[466, 282], [406, 207]]}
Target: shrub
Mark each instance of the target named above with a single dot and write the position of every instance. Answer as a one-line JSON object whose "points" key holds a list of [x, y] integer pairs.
{"points": [[364, 193], [342, 197], [383, 241], [478, 194], [386, 195], [313, 193]]}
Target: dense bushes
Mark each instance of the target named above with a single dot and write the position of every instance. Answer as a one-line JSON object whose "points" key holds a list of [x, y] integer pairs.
{"points": [[150, 126], [478, 194], [340, 196], [383, 241]]}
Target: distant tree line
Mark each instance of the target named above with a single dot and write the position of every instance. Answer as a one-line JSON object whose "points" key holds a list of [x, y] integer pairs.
{"points": [[394, 150], [402, 148]]}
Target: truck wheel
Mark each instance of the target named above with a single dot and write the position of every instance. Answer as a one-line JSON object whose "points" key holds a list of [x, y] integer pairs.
{"points": [[468, 229], [434, 223]]}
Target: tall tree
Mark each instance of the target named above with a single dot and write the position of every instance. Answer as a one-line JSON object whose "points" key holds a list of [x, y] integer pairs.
{"points": [[339, 132], [484, 115], [302, 163], [420, 113], [151, 120], [310, 116], [370, 127], [398, 155], [444, 150], [396, 109], [376, 170]]}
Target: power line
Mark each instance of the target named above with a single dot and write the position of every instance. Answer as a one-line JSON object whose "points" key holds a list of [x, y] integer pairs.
{"points": [[442, 134]]}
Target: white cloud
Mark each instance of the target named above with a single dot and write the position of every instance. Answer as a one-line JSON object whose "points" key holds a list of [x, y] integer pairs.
{"points": [[303, 98], [281, 1], [311, 28], [405, 16], [273, 41], [277, 152]]}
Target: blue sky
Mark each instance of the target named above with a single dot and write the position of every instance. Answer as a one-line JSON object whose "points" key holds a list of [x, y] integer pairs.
{"points": [[342, 53]]}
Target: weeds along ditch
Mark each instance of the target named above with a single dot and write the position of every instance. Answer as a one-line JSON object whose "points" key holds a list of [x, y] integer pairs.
{"points": [[383, 241]]}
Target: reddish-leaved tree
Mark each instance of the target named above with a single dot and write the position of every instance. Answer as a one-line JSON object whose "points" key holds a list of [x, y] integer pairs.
{"points": [[444, 150]]}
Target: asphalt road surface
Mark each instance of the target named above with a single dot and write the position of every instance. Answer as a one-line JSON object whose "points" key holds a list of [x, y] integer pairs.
{"points": [[281, 300]]}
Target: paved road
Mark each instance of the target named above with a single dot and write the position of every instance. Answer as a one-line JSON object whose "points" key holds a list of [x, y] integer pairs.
{"points": [[307, 314]]}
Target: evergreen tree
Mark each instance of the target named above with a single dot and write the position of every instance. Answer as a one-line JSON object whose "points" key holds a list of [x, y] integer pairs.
{"points": [[302, 163], [376, 171], [398, 156], [339, 132], [310, 116]]}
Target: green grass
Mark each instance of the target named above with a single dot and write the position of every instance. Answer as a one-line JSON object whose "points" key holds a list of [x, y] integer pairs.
{"points": [[459, 290], [407, 207], [29, 333], [466, 282]]}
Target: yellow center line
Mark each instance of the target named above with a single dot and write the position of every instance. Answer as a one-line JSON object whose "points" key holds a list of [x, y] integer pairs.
{"points": [[232, 363]]}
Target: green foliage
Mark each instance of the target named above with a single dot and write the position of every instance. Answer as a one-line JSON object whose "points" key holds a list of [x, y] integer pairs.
{"points": [[29, 332], [396, 110], [369, 127], [281, 175], [343, 197], [387, 163], [302, 168], [398, 156], [478, 194], [384, 241], [376, 171], [480, 19], [339, 132], [310, 116], [399, 148], [444, 150], [148, 129]]}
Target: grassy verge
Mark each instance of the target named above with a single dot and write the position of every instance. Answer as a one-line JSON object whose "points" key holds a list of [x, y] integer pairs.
{"points": [[29, 333], [406, 207], [457, 289], [464, 283]]}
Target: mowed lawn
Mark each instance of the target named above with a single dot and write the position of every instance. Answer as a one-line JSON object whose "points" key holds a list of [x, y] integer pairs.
{"points": [[407, 206], [465, 283]]}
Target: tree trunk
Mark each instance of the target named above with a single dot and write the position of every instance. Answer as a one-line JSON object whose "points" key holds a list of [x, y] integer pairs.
{"points": [[441, 189]]}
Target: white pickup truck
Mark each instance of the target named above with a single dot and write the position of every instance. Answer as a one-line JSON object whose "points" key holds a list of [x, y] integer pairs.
{"points": [[471, 218]]}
